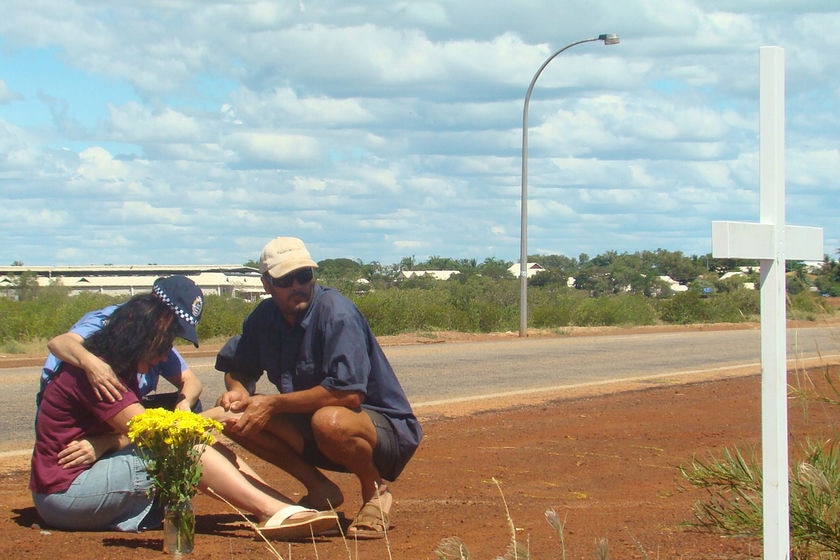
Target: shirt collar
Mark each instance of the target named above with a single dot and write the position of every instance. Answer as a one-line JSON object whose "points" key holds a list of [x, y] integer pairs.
{"points": [[302, 321]]}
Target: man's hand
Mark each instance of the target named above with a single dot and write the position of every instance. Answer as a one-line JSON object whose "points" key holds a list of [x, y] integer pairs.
{"points": [[234, 400], [256, 412]]}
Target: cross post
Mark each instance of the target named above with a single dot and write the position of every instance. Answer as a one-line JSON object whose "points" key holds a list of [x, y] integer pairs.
{"points": [[772, 242]]}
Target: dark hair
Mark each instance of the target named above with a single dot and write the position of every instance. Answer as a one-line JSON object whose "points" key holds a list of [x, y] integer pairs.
{"points": [[142, 328]]}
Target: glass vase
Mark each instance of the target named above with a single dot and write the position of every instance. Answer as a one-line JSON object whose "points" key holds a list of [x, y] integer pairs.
{"points": [[178, 528]]}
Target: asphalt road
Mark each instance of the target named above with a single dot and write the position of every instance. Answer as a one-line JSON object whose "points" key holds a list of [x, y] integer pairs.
{"points": [[444, 373]]}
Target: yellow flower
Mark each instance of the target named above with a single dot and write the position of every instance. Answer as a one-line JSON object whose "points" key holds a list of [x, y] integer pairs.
{"points": [[171, 444]]}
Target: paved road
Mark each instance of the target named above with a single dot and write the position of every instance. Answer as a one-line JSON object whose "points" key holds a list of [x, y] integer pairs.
{"points": [[438, 373]]}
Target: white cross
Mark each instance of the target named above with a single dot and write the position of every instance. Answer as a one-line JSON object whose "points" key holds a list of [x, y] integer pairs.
{"points": [[771, 241]]}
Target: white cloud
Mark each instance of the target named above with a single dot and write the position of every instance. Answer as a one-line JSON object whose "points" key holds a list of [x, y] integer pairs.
{"points": [[135, 123], [7, 95], [269, 148], [96, 164], [817, 169], [380, 129], [14, 146]]}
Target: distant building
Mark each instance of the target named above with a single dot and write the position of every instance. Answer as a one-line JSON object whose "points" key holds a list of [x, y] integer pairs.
{"points": [[531, 269], [744, 270], [436, 274], [673, 284], [222, 280]]}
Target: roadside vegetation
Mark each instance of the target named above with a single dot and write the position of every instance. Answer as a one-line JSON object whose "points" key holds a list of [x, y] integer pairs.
{"points": [[609, 289], [732, 477]]}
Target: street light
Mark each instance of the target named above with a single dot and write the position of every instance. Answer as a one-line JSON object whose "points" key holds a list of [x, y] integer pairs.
{"points": [[608, 39]]}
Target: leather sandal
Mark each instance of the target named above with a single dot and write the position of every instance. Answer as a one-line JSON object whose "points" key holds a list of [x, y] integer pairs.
{"points": [[372, 522]]}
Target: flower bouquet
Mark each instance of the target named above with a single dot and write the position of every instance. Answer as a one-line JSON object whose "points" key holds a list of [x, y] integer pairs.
{"points": [[171, 444]]}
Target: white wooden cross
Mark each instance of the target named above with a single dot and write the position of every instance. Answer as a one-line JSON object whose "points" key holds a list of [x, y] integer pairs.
{"points": [[771, 241]]}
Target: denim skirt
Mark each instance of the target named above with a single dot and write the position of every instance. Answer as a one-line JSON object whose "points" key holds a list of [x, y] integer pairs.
{"points": [[113, 494]]}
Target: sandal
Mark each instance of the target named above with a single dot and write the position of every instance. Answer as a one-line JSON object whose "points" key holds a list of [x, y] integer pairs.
{"points": [[372, 521], [282, 526]]}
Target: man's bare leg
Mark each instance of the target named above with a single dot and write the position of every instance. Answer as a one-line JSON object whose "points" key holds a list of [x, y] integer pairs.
{"points": [[272, 445], [348, 438]]}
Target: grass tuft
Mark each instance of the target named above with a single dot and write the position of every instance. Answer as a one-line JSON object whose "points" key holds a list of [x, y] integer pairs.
{"points": [[733, 484]]}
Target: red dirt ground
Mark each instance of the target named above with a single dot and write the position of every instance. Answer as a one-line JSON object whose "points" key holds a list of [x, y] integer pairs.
{"points": [[606, 463]]}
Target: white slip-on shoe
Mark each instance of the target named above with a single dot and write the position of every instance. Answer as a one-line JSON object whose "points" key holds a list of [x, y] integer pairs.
{"points": [[282, 526]]}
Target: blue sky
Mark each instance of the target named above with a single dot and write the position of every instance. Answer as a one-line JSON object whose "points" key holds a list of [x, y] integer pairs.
{"points": [[192, 132]]}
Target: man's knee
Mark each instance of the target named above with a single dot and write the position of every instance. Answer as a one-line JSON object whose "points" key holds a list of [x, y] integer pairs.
{"points": [[330, 421], [339, 426]]}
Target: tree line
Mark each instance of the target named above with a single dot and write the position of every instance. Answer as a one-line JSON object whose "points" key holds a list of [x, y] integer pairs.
{"points": [[608, 289], [604, 274]]}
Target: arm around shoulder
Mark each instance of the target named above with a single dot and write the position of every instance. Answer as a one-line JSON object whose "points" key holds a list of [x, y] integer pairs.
{"points": [[68, 348]]}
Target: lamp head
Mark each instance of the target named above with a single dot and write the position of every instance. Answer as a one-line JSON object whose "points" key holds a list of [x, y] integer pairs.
{"points": [[609, 39]]}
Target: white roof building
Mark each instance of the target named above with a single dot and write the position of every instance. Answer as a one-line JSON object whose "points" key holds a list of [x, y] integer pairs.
{"points": [[223, 280], [436, 274], [673, 284], [531, 269]]}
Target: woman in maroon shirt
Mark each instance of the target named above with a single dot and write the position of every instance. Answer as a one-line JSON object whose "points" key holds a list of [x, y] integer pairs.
{"points": [[86, 474]]}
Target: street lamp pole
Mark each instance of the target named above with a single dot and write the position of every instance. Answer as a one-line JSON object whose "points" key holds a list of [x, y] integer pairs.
{"points": [[608, 39]]}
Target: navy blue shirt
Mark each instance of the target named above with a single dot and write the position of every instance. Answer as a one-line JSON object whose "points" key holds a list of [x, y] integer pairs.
{"points": [[332, 346]]}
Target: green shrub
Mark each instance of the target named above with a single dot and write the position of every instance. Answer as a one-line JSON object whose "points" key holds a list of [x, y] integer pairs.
{"points": [[223, 316], [733, 481], [553, 308], [10, 324], [806, 305], [483, 304], [733, 506], [614, 310], [397, 311], [471, 303], [684, 308], [735, 306]]}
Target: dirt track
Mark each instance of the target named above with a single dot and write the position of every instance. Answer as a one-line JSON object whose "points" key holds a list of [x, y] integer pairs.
{"points": [[606, 464]]}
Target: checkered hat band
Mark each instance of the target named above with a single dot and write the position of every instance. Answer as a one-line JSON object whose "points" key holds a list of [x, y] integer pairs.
{"points": [[178, 311]]}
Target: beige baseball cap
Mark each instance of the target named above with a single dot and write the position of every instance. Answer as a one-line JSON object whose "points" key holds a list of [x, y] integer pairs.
{"points": [[283, 255]]}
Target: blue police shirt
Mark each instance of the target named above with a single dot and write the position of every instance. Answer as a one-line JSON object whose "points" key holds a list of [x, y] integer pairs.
{"points": [[91, 322]]}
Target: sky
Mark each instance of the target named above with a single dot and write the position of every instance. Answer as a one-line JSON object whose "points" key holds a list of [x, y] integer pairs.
{"points": [[194, 131]]}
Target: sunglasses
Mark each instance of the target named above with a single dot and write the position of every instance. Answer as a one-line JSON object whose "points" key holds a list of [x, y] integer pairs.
{"points": [[301, 276]]}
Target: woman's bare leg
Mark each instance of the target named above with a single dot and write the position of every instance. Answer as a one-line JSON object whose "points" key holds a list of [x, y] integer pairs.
{"points": [[228, 481]]}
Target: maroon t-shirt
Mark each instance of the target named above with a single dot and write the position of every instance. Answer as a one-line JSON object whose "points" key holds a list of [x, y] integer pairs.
{"points": [[69, 411]]}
